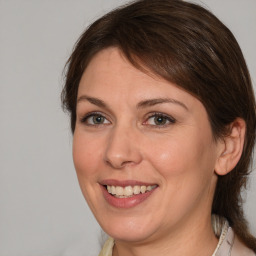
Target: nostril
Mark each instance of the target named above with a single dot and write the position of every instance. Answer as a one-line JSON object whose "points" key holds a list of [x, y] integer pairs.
{"points": [[121, 150], [116, 163]]}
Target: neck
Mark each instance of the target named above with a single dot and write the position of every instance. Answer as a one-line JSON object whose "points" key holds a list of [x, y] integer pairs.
{"points": [[198, 240]]}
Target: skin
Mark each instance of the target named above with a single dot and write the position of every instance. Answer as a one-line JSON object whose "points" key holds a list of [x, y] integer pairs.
{"points": [[180, 157]]}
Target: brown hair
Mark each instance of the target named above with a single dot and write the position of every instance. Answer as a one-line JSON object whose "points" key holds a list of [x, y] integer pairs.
{"points": [[186, 45]]}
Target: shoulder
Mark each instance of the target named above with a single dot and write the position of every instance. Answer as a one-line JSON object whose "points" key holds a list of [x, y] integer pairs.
{"points": [[231, 245], [239, 249]]}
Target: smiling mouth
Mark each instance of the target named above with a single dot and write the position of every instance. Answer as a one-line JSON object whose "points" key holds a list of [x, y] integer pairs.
{"points": [[128, 191]]}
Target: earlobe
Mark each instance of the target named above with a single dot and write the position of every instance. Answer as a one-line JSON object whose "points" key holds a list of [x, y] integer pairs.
{"points": [[231, 147]]}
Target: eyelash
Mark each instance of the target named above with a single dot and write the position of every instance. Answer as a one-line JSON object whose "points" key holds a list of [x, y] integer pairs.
{"points": [[92, 114], [168, 118]]}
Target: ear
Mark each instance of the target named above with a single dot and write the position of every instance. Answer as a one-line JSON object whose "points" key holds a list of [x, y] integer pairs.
{"points": [[231, 147]]}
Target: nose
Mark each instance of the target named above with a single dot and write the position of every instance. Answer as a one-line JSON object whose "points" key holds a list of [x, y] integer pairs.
{"points": [[122, 148]]}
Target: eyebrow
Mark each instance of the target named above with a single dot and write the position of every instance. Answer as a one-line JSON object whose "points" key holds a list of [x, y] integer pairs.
{"points": [[153, 102], [95, 101], [141, 104]]}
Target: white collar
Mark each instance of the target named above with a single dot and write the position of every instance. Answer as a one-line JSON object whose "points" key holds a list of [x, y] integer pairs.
{"points": [[225, 234]]}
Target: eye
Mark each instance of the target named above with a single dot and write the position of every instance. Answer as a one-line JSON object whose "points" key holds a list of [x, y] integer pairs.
{"points": [[94, 119], [159, 119]]}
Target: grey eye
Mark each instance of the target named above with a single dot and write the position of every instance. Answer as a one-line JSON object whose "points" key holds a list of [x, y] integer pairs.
{"points": [[95, 119], [98, 119], [160, 120]]}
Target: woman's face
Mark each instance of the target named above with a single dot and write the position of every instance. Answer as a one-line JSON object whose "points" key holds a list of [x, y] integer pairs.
{"points": [[149, 143]]}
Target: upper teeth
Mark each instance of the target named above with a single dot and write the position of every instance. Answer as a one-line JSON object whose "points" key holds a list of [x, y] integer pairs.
{"points": [[128, 190]]}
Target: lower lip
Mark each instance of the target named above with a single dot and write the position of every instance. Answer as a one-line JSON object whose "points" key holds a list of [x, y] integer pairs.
{"points": [[128, 202]]}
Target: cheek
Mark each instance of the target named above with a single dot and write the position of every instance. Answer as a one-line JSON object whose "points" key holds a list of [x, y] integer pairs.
{"points": [[183, 156], [185, 168], [170, 155], [86, 155]]}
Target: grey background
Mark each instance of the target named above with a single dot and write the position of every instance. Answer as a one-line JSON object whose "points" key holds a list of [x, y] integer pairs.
{"points": [[42, 211]]}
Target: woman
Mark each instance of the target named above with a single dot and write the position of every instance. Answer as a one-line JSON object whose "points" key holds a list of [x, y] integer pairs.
{"points": [[163, 115]]}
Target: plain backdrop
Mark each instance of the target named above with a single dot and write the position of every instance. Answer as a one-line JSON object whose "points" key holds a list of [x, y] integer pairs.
{"points": [[42, 211]]}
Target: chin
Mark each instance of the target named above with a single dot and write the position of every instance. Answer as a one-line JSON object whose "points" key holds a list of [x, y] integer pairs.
{"points": [[130, 229]]}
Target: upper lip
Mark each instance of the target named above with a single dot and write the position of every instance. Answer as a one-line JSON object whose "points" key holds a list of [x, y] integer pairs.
{"points": [[124, 183]]}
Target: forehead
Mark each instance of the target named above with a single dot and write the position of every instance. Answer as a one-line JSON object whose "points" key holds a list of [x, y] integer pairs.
{"points": [[110, 63], [112, 77]]}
